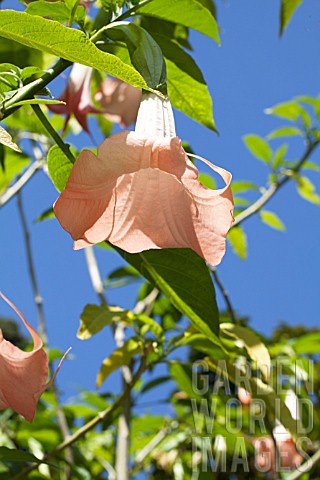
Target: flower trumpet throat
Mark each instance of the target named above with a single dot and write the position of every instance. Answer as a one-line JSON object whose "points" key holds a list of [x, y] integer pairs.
{"points": [[142, 192]]}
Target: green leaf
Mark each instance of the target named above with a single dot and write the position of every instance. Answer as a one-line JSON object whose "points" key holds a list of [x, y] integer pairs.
{"points": [[288, 8], [149, 324], [242, 186], [190, 13], [291, 111], [272, 220], [14, 164], [184, 278], [307, 189], [59, 167], [6, 139], [145, 53], [257, 351], [121, 356], [238, 241], [284, 132], [95, 317], [279, 156], [308, 344], [187, 89], [56, 11], [182, 375], [258, 147], [13, 455], [207, 180], [46, 215], [71, 44]]}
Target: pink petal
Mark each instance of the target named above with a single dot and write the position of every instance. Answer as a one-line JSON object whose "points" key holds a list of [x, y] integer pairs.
{"points": [[119, 100], [141, 193], [22, 374]]}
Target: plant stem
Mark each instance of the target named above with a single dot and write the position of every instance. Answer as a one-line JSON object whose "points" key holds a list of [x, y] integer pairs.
{"points": [[225, 295], [21, 182], [56, 137], [28, 91], [305, 467], [123, 437], [274, 187]]}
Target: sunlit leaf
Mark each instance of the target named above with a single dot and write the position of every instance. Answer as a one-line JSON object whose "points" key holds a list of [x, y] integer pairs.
{"points": [[95, 317], [258, 147], [256, 349], [272, 220], [307, 189], [6, 139], [238, 241], [190, 13], [52, 37], [288, 8], [59, 167], [285, 132], [121, 356]]}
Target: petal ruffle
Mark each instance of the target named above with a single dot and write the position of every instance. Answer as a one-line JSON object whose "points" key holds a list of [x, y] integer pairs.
{"points": [[141, 193]]}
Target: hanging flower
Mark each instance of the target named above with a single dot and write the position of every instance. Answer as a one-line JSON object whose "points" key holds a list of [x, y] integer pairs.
{"points": [[77, 96], [141, 192], [119, 100], [23, 375]]}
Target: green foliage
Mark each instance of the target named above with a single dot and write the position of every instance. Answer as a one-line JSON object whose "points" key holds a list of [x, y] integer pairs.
{"points": [[145, 53], [288, 8], [258, 147], [51, 37], [190, 13], [238, 241], [307, 189], [59, 167], [184, 278], [272, 220], [14, 163], [61, 12]]}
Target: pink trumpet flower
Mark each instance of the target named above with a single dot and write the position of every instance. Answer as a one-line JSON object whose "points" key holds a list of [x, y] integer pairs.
{"points": [[119, 100], [142, 192], [23, 375], [77, 96]]}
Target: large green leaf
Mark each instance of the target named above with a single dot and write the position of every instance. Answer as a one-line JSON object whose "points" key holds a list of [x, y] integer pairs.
{"points": [[187, 89], [14, 455], [184, 278], [59, 167], [288, 8], [145, 53], [73, 45], [190, 13]]}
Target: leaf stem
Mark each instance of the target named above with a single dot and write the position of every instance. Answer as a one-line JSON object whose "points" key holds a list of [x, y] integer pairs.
{"points": [[28, 91], [225, 295], [56, 137], [274, 187]]}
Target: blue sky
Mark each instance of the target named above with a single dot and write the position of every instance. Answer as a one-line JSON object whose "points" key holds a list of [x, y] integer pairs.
{"points": [[252, 69]]}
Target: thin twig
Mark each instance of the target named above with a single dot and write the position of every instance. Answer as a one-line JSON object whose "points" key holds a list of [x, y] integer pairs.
{"points": [[56, 137], [21, 182], [274, 187], [62, 421], [37, 296], [94, 273], [225, 295], [305, 467], [154, 442], [123, 437], [81, 432], [146, 304]]}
